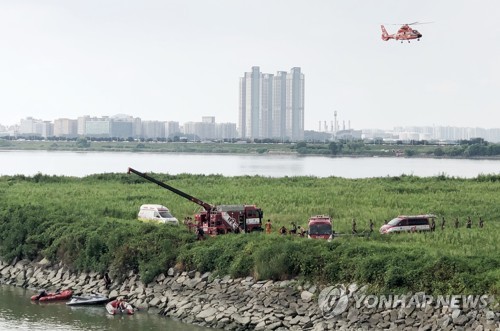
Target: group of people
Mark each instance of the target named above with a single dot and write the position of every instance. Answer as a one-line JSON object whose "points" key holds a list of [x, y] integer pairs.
{"points": [[294, 229], [300, 231], [370, 225], [456, 223]]}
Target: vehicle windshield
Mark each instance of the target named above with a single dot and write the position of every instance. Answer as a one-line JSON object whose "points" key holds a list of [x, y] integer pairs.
{"points": [[394, 221], [320, 229], [165, 214]]}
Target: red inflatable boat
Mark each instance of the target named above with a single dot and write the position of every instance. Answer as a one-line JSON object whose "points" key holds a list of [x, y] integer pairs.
{"points": [[52, 296]]}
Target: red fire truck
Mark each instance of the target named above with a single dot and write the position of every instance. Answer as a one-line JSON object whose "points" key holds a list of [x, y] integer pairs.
{"points": [[320, 227], [218, 219]]}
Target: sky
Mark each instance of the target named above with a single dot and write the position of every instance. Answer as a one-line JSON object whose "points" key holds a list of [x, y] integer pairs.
{"points": [[179, 60]]}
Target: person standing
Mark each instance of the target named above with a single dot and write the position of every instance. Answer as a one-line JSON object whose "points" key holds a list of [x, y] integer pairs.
{"points": [[433, 224], [469, 223], [481, 222], [200, 234], [268, 226], [371, 226], [442, 223], [457, 223], [354, 231], [107, 280], [293, 229]]}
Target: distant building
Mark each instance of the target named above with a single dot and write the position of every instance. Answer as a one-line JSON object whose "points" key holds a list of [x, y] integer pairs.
{"points": [[171, 129], [65, 127], [28, 126], [272, 106], [225, 131], [348, 134], [122, 126], [82, 124], [45, 128], [153, 129], [207, 129], [98, 127]]}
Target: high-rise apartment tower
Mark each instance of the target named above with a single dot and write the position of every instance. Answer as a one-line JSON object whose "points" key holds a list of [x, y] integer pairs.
{"points": [[272, 106]]}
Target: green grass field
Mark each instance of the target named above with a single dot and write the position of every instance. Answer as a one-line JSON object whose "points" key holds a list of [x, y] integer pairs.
{"points": [[90, 224]]}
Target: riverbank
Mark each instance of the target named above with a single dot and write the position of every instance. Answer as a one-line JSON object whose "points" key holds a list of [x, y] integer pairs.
{"points": [[245, 304], [467, 149], [91, 224]]}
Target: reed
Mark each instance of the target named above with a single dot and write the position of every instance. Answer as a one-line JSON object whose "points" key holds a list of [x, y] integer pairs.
{"points": [[90, 224]]}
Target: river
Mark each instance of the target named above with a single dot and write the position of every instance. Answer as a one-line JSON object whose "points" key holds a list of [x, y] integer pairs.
{"points": [[80, 164], [17, 312]]}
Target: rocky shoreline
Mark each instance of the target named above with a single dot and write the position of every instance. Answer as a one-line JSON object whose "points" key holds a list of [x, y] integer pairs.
{"points": [[246, 304]]}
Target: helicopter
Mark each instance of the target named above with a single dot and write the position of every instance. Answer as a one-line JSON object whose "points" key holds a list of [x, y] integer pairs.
{"points": [[405, 32]]}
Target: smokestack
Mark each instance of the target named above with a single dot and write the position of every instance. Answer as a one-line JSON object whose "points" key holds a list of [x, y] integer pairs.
{"points": [[336, 126]]}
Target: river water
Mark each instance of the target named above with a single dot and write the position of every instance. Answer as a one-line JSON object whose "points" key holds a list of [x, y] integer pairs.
{"points": [[17, 312], [80, 164]]}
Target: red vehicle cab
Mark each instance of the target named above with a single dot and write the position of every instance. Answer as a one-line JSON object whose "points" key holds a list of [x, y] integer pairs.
{"points": [[320, 227], [405, 223]]}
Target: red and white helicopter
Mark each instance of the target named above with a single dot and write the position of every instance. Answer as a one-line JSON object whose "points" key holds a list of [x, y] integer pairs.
{"points": [[405, 32]]}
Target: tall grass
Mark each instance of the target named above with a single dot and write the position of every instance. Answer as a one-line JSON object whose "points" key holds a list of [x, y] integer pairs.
{"points": [[90, 224]]}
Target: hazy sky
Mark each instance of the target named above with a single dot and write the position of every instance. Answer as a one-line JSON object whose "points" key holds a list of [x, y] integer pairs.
{"points": [[181, 60]]}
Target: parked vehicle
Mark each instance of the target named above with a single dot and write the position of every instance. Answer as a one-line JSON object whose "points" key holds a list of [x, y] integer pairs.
{"points": [[156, 213], [90, 299], [218, 219], [320, 227], [52, 296], [405, 223]]}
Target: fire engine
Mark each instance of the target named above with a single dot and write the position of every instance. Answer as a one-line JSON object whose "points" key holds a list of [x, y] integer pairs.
{"points": [[216, 219], [320, 227]]}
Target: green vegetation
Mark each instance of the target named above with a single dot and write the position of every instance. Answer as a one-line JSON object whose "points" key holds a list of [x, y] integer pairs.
{"points": [[473, 148], [83, 144], [90, 224]]}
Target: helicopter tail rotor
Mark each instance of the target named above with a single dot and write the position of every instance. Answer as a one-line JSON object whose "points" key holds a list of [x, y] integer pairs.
{"points": [[385, 35]]}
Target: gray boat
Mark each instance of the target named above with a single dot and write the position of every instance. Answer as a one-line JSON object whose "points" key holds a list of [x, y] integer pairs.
{"points": [[88, 299]]}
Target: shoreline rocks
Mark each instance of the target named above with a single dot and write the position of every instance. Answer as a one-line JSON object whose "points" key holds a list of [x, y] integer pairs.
{"points": [[246, 304]]}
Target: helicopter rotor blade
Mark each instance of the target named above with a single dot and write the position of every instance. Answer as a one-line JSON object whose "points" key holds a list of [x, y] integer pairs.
{"points": [[413, 23], [418, 23]]}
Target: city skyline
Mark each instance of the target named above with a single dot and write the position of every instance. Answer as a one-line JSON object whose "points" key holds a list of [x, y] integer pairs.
{"points": [[126, 126], [182, 59]]}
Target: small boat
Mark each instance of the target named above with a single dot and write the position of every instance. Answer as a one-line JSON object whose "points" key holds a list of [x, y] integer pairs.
{"points": [[91, 299], [52, 296], [119, 307]]}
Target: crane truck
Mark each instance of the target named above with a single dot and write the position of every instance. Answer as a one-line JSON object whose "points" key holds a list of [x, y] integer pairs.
{"points": [[216, 219]]}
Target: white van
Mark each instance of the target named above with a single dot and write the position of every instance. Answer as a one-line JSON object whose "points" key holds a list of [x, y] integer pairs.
{"points": [[157, 213], [405, 223]]}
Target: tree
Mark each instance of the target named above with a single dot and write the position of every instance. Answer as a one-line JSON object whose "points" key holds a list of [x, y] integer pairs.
{"points": [[301, 144], [438, 151], [82, 143], [410, 152], [476, 150], [335, 148]]}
